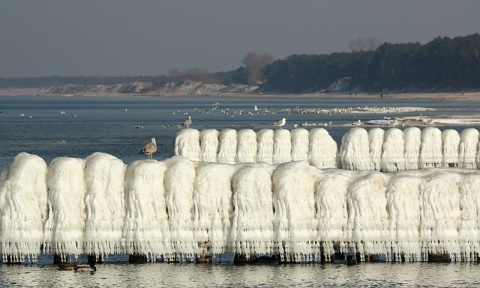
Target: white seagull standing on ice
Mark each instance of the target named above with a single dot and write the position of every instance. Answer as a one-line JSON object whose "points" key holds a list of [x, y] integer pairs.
{"points": [[188, 122], [280, 123], [149, 149]]}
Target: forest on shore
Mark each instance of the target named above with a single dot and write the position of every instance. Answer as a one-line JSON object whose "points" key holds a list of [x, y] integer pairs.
{"points": [[443, 64]]}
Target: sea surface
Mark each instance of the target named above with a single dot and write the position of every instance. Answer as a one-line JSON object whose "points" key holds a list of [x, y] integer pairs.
{"points": [[52, 127], [207, 275]]}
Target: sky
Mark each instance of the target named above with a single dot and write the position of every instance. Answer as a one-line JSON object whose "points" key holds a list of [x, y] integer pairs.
{"points": [[152, 37]]}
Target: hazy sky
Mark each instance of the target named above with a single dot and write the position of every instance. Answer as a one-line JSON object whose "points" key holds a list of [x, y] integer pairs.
{"points": [[151, 37]]}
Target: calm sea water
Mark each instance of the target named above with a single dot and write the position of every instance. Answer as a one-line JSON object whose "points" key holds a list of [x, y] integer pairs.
{"points": [[52, 127], [199, 275]]}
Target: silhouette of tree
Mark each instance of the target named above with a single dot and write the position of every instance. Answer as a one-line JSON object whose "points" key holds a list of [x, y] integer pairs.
{"points": [[364, 44], [255, 63]]}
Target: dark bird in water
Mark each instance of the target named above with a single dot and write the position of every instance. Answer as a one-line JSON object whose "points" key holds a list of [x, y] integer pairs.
{"points": [[188, 122], [149, 149], [67, 266], [85, 268]]}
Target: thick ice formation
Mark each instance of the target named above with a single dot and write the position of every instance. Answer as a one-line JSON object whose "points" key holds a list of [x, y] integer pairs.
{"points": [[187, 143], [227, 150], [213, 205], [355, 150], [451, 142], [64, 229], [104, 201], [375, 149], [265, 146], [209, 145], [168, 209], [23, 207], [393, 151], [179, 187], [173, 209], [431, 148], [468, 148], [375, 137], [412, 137], [246, 146], [146, 229], [300, 144], [253, 215], [282, 146], [323, 149], [294, 220]]}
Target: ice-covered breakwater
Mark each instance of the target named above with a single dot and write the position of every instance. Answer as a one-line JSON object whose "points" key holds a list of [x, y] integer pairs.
{"points": [[361, 149], [167, 208]]}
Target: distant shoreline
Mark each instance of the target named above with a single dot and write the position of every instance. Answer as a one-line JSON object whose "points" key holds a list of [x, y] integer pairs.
{"points": [[440, 96]]}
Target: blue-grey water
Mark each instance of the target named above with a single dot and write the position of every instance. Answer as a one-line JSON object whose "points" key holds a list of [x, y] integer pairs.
{"points": [[52, 127], [106, 124]]}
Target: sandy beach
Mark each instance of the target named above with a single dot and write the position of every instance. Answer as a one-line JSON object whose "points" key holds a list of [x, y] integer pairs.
{"points": [[440, 96]]}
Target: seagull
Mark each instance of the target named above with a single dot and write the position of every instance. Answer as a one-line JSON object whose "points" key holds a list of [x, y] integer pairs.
{"points": [[280, 123], [149, 149], [188, 122]]}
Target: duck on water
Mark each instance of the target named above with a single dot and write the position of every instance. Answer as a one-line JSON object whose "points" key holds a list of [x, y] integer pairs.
{"points": [[77, 267]]}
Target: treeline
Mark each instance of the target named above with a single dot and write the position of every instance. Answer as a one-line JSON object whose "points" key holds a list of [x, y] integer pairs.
{"points": [[441, 64], [53, 81], [238, 76]]}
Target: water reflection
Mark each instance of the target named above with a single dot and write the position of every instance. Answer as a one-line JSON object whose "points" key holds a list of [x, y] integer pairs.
{"points": [[198, 275]]}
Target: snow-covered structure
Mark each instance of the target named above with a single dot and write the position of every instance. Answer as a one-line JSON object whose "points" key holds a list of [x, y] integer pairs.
{"points": [[238, 196], [361, 149]]}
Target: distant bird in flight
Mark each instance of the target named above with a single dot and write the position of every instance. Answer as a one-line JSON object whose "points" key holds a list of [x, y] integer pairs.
{"points": [[149, 149], [188, 122], [280, 123]]}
